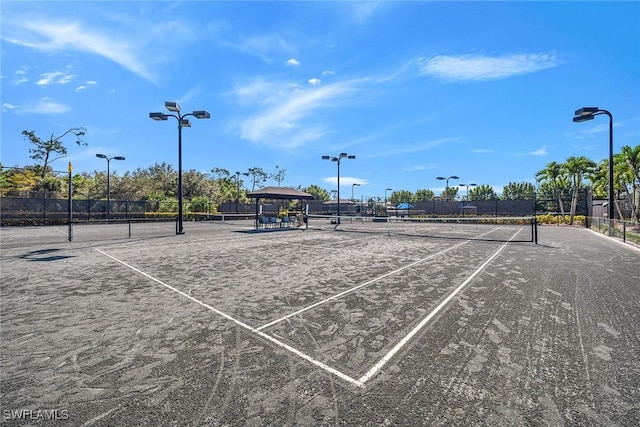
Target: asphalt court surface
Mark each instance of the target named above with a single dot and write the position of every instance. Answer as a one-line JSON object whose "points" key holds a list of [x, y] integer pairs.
{"points": [[280, 273], [109, 322]]}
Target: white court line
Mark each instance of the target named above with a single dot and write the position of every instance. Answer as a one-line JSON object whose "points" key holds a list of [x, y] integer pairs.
{"points": [[243, 325], [309, 307], [374, 370]]}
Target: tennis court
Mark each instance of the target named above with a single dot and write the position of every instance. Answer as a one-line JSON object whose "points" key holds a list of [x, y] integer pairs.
{"points": [[330, 325]]}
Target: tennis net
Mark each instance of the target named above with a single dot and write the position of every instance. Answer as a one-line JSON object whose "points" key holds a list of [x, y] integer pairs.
{"points": [[502, 229]]}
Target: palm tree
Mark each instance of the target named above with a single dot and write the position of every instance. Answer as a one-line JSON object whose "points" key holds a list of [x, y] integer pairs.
{"points": [[631, 156], [577, 168], [552, 174]]}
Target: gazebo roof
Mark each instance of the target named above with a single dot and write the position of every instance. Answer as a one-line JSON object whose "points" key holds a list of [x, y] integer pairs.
{"points": [[280, 193]]}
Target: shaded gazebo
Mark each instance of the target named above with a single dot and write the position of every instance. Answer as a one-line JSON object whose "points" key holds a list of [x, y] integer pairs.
{"points": [[278, 193]]}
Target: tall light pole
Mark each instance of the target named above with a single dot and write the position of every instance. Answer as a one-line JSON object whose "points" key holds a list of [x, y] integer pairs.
{"points": [[447, 185], [588, 113], [182, 122], [353, 186], [102, 156], [337, 160], [386, 207], [238, 187], [466, 195]]}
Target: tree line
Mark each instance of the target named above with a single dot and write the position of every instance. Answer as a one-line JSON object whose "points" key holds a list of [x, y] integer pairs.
{"points": [[561, 182]]}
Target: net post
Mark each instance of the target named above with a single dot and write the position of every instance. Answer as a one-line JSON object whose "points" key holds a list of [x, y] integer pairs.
{"points": [[129, 222], [534, 224], [305, 217], [70, 215]]}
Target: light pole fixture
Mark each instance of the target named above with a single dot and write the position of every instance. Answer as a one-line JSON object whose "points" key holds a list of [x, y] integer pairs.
{"points": [[386, 208], [337, 159], [441, 178], [466, 197], [588, 113], [353, 186], [182, 122], [238, 187], [103, 156]]}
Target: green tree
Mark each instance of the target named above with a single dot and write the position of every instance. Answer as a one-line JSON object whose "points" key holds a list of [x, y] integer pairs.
{"points": [[553, 176], [577, 168], [630, 158], [195, 184], [18, 182], [449, 193], [279, 175], [227, 185], [423, 195], [258, 176], [400, 196], [317, 192], [45, 151], [518, 191], [482, 192]]}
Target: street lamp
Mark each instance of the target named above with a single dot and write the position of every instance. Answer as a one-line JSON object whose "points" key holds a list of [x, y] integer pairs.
{"points": [[337, 160], [466, 195], [182, 122], [102, 156], [588, 113], [386, 207], [353, 186], [238, 187], [447, 180], [385, 194]]}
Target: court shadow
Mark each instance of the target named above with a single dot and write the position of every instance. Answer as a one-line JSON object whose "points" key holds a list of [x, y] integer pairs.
{"points": [[268, 230], [43, 255]]}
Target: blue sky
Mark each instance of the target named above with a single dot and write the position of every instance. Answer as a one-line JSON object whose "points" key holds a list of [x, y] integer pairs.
{"points": [[416, 90]]}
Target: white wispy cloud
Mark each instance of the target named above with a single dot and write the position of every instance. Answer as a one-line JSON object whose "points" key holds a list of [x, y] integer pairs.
{"points": [[416, 168], [86, 85], [282, 118], [52, 35], [20, 76], [362, 11], [328, 73], [56, 77], [314, 81], [542, 151], [293, 62], [481, 67], [8, 107], [45, 105], [345, 181], [264, 46]]}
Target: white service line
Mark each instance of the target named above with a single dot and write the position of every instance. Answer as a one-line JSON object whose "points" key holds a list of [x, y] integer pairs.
{"points": [[242, 324], [355, 288], [309, 307], [374, 370]]}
